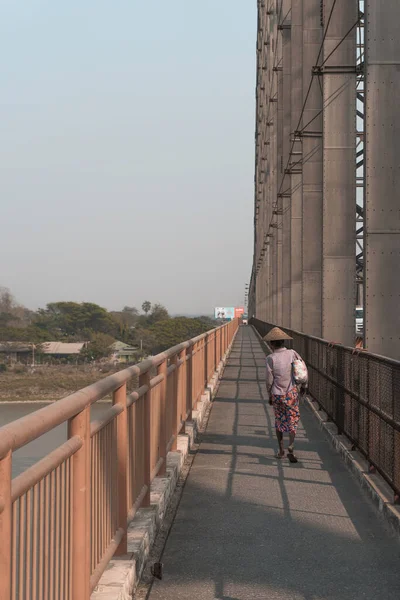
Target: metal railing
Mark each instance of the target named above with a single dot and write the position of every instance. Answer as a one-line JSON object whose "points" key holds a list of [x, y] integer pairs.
{"points": [[63, 519], [360, 392]]}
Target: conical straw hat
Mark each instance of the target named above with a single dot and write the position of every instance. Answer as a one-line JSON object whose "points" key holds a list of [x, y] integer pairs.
{"points": [[276, 334]]}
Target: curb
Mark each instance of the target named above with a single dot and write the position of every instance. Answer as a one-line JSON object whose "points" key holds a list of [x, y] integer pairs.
{"points": [[376, 487], [122, 575], [262, 342]]}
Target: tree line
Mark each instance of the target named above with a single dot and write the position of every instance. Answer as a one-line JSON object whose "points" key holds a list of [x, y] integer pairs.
{"points": [[151, 329]]}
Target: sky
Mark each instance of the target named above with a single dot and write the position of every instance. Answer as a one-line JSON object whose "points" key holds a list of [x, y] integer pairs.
{"points": [[127, 151]]}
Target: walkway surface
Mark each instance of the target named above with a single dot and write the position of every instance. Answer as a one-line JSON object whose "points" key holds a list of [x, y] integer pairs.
{"points": [[252, 527]]}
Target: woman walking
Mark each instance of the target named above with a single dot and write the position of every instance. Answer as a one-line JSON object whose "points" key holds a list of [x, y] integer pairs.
{"points": [[282, 389]]}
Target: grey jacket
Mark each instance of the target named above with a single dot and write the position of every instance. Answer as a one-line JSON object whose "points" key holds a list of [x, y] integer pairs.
{"points": [[279, 371]]}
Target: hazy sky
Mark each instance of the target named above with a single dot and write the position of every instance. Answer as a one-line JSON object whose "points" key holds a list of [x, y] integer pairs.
{"points": [[127, 151]]}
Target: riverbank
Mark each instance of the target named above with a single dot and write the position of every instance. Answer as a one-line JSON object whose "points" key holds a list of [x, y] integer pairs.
{"points": [[47, 383]]}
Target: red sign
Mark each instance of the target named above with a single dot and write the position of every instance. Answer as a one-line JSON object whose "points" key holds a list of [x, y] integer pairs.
{"points": [[239, 312]]}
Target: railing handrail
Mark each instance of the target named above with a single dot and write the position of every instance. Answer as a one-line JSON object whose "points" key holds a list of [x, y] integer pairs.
{"points": [[362, 351], [92, 485], [18, 433], [344, 384]]}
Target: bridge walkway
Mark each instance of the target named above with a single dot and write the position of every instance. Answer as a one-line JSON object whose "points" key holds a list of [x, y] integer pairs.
{"points": [[252, 527]]}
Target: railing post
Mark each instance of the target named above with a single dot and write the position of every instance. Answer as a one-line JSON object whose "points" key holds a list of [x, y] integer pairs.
{"points": [[162, 438], [5, 525], [145, 380], [175, 400], [206, 353], [215, 365], [119, 398], [182, 387], [80, 426], [189, 383]]}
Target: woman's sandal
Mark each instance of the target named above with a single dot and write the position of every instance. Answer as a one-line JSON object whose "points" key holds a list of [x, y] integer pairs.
{"points": [[291, 456], [279, 455]]}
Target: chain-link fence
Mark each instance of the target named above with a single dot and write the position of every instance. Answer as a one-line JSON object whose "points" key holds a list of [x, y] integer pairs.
{"points": [[360, 392]]}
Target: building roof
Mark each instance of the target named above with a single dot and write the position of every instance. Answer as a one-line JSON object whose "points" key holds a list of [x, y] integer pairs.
{"points": [[15, 347], [127, 352], [63, 347], [120, 347]]}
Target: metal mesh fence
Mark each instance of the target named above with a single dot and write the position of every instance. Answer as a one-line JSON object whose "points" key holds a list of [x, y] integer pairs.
{"points": [[360, 392]]}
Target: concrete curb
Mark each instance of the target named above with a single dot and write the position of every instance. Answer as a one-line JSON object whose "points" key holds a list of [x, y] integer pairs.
{"points": [[122, 575], [376, 487], [262, 342]]}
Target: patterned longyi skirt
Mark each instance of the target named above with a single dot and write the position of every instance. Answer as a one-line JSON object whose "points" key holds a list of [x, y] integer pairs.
{"points": [[287, 411]]}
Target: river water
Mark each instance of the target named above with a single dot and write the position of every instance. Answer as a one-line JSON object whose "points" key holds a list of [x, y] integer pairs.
{"points": [[31, 453]]}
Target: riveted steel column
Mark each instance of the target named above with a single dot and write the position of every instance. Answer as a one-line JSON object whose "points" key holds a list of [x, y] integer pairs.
{"points": [[256, 302], [382, 214], [284, 205], [339, 142], [312, 173], [296, 191], [273, 18], [264, 283], [279, 166]]}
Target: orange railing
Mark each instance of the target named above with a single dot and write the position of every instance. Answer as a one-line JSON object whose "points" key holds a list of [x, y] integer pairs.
{"points": [[63, 519]]}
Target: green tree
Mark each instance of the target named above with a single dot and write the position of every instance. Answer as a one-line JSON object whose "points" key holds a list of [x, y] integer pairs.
{"points": [[126, 320], [31, 333], [13, 314], [158, 313], [100, 346], [144, 339], [170, 332], [75, 320], [131, 310], [209, 322], [146, 307]]}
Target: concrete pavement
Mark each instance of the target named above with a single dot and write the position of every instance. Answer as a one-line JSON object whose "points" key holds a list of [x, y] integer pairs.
{"points": [[252, 527]]}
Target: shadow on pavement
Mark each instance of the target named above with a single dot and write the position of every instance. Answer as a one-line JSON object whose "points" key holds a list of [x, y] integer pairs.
{"points": [[252, 527]]}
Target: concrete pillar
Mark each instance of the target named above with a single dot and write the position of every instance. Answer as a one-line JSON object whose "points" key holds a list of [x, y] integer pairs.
{"points": [[284, 203], [275, 9], [256, 301], [382, 205], [312, 173], [296, 191], [339, 197], [279, 167]]}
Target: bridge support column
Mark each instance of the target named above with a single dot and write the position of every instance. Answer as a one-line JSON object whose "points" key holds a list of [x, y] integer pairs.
{"points": [[312, 173], [274, 53], [339, 151], [284, 207], [296, 191], [278, 209], [382, 212], [268, 125], [260, 275]]}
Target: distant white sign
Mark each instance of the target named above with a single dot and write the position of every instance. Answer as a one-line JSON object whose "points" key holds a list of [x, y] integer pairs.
{"points": [[224, 312]]}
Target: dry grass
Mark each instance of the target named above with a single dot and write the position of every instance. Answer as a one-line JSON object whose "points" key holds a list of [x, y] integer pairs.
{"points": [[47, 382]]}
